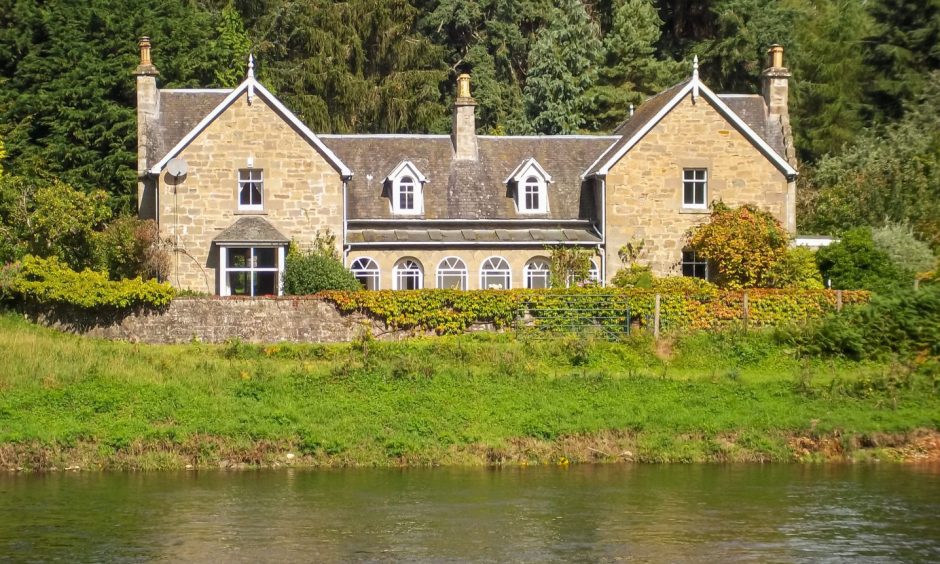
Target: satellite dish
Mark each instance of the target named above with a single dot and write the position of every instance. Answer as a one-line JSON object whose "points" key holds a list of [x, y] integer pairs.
{"points": [[177, 167]]}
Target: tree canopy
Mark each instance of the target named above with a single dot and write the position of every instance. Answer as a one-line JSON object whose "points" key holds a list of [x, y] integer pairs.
{"points": [[862, 91]]}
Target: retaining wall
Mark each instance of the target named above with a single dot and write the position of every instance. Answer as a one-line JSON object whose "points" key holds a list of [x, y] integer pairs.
{"points": [[216, 320]]}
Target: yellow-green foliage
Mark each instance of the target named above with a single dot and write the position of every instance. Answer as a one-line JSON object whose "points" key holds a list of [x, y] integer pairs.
{"points": [[49, 280], [683, 305], [742, 243]]}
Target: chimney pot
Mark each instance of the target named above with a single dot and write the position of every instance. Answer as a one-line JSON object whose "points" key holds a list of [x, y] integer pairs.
{"points": [[144, 45], [776, 56], [463, 86]]}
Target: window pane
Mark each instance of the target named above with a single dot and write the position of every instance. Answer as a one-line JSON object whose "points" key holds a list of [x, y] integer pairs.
{"points": [[537, 280], [689, 196], [265, 257], [238, 283], [239, 258], [265, 283], [369, 280], [495, 281], [452, 281]]}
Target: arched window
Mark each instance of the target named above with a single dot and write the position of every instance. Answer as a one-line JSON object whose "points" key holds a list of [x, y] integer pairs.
{"points": [[452, 274], [406, 198], [495, 274], [366, 272], [533, 199], [537, 273], [594, 274], [408, 274]]}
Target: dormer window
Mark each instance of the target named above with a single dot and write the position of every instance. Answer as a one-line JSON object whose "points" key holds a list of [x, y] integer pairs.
{"points": [[406, 184], [531, 187], [406, 194], [251, 189], [532, 197]]}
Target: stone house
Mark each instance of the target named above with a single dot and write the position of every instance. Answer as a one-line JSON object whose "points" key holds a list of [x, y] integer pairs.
{"points": [[232, 176]]}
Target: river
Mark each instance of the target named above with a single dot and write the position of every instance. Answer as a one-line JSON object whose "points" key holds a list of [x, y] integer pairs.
{"points": [[693, 513]]}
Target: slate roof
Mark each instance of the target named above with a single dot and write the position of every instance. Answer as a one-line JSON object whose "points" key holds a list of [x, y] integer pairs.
{"points": [[251, 229], [178, 112], [753, 110], [468, 189]]}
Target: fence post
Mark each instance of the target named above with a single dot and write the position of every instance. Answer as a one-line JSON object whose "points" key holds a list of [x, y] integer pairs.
{"points": [[746, 310], [656, 318], [838, 300]]}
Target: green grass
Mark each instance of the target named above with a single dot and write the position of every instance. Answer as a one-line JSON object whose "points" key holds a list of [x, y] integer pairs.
{"points": [[468, 399]]}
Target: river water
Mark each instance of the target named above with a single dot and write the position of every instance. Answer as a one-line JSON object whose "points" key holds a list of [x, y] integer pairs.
{"points": [[694, 513]]}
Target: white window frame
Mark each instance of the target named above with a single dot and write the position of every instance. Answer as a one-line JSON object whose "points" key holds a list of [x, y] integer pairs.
{"points": [[365, 267], [224, 287], [538, 267], [593, 276], [243, 183], [492, 267], [452, 266], [541, 194], [400, 272], [690, 178], [693, 262], [407, 173], [530, 173]]}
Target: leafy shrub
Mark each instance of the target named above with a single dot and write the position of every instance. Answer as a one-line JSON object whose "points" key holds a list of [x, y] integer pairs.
{"points": [[897, 240], [311, 272], [856, 263], [742, 243], [50, 281], [129, 247], [903, 322], [633, 276], [693, 305], [796, 269], [685, 285], [49, 219]]}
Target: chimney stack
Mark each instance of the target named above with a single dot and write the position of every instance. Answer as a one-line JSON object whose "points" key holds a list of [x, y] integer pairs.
{"points": [[147, 102], [464, 132], [775, 90]]}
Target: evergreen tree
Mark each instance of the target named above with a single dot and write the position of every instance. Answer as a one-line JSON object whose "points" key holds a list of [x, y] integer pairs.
{"points": [[632, 70], [67, 96], [353, 66], [733, 59], [562, 66], [903, 52], [234, 40]]}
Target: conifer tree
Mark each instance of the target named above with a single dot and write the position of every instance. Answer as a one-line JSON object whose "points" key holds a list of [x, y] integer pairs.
{"points": [[903, 51], [562, 67], [829, 78], [632, 69]]}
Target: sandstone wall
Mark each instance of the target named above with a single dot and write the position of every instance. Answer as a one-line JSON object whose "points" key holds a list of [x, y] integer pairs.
{"points": [[644, 189], [216, 320], [303, 193]]}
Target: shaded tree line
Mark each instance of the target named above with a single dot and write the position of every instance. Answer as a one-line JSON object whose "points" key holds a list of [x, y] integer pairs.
{"points": [[863, 92]]}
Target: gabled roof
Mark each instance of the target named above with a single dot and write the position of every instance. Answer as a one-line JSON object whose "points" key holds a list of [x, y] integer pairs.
{"points": [[250, 229], [656, 108], [404, 167], [252, 87], [523, 170]]}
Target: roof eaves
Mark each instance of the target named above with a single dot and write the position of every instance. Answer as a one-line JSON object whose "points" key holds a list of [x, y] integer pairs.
{"points": [[224, 104], [605, 168]]}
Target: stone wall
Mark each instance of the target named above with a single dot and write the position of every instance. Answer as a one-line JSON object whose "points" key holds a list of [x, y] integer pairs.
{"points": [[216, 320], [644, 189], [302, 192]]}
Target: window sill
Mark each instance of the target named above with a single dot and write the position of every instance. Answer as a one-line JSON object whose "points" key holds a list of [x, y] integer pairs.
{"points": [[695, 210], [251, 212]]}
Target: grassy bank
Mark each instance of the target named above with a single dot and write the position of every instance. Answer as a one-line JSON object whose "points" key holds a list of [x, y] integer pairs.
{"points": [[69, 401]]}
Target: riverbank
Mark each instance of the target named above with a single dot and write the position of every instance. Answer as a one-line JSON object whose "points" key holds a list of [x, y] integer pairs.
{"points": [[73, 402]]}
